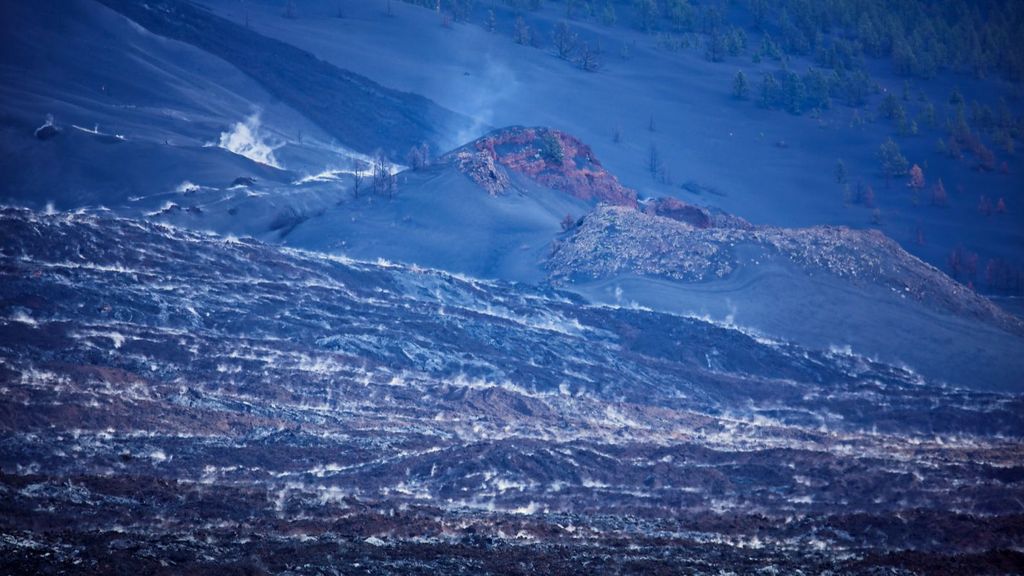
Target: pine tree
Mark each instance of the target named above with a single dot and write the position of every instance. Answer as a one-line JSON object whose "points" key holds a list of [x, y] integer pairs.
{"points": [[680, 14], [769, 90], [608, 17], [647, 14], [939, 196], [715, 48], [916, 177], [740, 87], [986, 160], [840, 172], [551, 149], [928, 115], [890, 108], [956, 99], [892, 160], [570, 7], [521, 33], [795, 93]]}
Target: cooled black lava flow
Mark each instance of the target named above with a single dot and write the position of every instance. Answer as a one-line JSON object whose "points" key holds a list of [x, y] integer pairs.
{"points": [[178, 401]]}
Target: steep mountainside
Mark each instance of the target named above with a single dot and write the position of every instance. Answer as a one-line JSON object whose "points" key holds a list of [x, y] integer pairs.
{"points": [[102, 111], [185, 402]]}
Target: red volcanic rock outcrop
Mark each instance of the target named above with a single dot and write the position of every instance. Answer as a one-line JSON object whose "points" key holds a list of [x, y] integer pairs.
{"points": [[550, 157]]}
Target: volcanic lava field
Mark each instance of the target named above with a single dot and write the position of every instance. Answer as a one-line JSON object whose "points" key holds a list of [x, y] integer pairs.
{"points": [[183, 402]]}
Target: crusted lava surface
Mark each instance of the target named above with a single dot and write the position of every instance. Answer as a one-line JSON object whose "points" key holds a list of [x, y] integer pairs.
{"points": [[174, 402]]}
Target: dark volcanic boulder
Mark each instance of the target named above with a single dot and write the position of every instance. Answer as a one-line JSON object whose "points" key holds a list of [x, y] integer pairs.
{"points": [[678, 210], [47, 131], [244, 181]]}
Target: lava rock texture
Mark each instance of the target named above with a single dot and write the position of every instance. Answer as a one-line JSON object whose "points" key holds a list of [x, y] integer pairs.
{"points": [[173, 402]]}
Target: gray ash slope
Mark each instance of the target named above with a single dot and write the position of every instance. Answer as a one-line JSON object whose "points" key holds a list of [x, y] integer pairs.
{"points": [[159, 107], [183, 402], [358, 111]]}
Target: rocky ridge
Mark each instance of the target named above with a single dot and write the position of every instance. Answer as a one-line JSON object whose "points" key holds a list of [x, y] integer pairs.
{"points": [[690, 244]]}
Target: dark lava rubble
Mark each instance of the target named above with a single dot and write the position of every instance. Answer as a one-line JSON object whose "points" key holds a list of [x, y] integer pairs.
{"points": [[174, 402]]}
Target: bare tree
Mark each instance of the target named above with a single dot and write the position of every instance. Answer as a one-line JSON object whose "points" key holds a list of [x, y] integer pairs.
{"points": [[570, 5], [654, 161], [419, 156], [357, 183], [521, 33], [565, 41], [589, 57], [383, 179]]}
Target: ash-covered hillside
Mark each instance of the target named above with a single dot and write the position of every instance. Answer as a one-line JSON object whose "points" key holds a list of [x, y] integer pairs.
{"points": [[797, 141], [182, 402], [848, 287]]}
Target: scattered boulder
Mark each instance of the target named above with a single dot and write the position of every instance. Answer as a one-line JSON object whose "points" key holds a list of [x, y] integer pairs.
{"points": [[48, 130], [246, 181]]}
